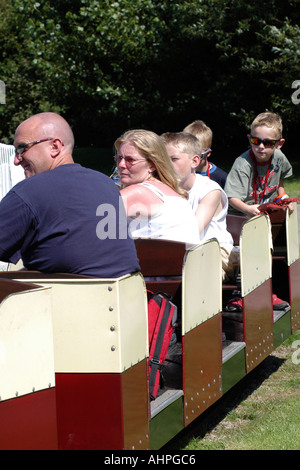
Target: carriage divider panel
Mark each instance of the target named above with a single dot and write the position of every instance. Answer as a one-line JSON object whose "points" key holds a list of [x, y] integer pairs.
{"points": [[100, 341], [27, 386]]}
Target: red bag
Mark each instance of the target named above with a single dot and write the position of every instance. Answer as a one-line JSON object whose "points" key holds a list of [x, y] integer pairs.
{"points": [[270, 207], [162, 315]]}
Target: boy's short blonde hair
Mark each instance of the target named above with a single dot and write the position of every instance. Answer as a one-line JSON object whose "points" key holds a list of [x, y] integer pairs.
{"points": [[186, 142], [202, 132], [271, 120]]}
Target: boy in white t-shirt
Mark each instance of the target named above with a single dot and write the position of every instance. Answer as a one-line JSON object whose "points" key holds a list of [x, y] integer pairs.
{"points": [[210, 204], [206, 197]]}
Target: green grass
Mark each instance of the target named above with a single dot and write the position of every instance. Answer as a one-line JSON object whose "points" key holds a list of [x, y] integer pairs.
{"points": [[261, 413], [292, 184]]}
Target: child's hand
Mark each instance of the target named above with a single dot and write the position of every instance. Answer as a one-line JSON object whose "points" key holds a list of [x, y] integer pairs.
{"points": [[291, 208], [252, 210]]}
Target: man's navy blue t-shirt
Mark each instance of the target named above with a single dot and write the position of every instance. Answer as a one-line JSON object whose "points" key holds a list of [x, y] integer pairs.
{"points": [[68, 220]]}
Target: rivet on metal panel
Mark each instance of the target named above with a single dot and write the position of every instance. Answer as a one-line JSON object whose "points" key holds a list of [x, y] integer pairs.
{"points": [[33, 389], [113, 348], [112, 328], [111, 308], [16, 394], [109, 288]]}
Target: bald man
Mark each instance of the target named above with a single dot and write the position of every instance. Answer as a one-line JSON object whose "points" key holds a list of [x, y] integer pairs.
{"points": [[63, 217], [53, 148]]}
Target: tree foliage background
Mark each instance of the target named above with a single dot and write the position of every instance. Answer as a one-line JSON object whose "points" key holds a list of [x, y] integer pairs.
{"points": [[107, 66]]}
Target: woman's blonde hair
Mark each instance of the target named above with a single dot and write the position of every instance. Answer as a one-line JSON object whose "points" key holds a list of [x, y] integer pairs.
{"points": [[153, 148]]}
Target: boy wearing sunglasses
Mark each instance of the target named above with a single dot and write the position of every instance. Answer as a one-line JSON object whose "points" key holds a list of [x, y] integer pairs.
{"points": [[257, 175]]}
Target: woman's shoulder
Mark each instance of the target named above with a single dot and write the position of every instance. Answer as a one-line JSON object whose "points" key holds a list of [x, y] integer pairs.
{"points": [[146, 188], [140, 193]]}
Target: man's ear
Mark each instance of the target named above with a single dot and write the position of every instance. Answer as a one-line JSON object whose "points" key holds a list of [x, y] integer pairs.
{"points": [[56, 146]]}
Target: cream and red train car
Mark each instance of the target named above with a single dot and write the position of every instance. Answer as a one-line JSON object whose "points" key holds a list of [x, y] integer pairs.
{"points": [[74, 350]]}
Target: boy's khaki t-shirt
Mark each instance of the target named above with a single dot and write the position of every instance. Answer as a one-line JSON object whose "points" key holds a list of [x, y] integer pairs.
{"points": [[240, 182]]}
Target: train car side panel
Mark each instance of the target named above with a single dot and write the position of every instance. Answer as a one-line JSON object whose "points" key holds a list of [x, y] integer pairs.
{"points": [[29, 422], [27, 385], [258, 325], [202, 349]]}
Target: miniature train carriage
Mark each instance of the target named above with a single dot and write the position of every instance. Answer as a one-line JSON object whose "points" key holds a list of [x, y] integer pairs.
{"points": [[74, 350]]}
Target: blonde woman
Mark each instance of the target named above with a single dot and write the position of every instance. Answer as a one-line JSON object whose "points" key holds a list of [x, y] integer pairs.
{"points": [[155, 205]]}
